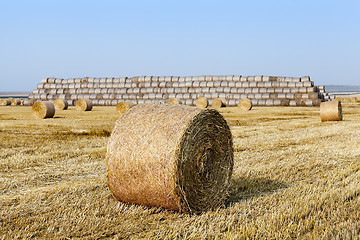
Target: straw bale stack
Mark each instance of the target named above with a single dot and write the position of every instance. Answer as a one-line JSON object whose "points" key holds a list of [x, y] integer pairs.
{"points": [[43, 109], [331, 111], [123, 107], [84, 105], [202, 102], [171, 156], [60, 104], [218, 103], [245, 104], [5, 102]]}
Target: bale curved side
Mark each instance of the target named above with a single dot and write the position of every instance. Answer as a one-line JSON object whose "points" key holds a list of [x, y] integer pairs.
{"points": [[331, 111], [171, 156], [43, 109], [84, 105], [61, 104], [123, 107], [245, 104]]}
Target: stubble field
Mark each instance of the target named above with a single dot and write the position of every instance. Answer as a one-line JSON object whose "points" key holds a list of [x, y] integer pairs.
{"points": [[294, 177]]}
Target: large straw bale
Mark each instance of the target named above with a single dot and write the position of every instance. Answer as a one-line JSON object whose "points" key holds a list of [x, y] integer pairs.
{"points": [[5, 102], [15, 101], [218, 103], [202, 102], [331, 111], [171, 156], [245, 104], [84, 105], [60, 104], [43, 109]]}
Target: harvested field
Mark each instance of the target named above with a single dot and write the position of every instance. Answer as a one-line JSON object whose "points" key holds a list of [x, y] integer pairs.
{"points": [[294, 177]]}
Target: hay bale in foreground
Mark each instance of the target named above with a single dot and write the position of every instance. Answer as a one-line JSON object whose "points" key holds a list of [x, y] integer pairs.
{"points": [[331, 111], [61, 104], [172, 156], [5, 102], [174, 101], [83, 105], [245, 104], [218, 103], [123, 107], [43, 109], [202, 102]]}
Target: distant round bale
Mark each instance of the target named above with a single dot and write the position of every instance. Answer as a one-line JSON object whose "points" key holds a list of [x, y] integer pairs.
{"points": [[331, 111], [202, 102], [357, 99], [172, 156], [61, 104], [28, 102], [174, 101], [15, 101], [84, 105], [123, 107], [43, 109], [245, 104], [5, 102], [218, 103]]}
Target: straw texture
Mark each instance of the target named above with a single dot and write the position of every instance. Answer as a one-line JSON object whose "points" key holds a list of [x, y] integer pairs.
{"points": [[171, 156], [60, 104], [202, 102], [245, 104], [331, 111], [84, 105], [43, 109], [218, 103], [123, 107]]}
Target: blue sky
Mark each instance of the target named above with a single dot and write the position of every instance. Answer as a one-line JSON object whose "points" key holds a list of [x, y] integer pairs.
{"points": [[108, 38]]}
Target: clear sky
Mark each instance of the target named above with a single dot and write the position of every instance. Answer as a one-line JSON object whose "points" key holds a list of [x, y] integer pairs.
{"points": [[109, 38]]}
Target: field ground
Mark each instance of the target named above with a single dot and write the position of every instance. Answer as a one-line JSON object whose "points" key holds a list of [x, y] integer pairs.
{"points": [[294, 177]]}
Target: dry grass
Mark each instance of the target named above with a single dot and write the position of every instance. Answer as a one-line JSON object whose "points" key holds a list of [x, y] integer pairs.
{"points": [[294, 177]]}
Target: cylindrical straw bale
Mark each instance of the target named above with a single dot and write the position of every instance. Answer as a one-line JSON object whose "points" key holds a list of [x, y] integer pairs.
{"points": [[123, 107], [202, 102], [218, 103], [15, 101], [331, 111], [60, 104], [28, 102], [5, 102], [84, 105], [245, 104], [171, 156], [43, 109]]}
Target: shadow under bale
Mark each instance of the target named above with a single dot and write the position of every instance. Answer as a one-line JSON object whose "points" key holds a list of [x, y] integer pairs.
{"points": [[245, 188]]}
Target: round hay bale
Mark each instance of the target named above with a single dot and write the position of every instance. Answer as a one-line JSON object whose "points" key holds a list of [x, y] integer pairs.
{"points": [[245, 104], [43, 109], [331, 111], [84, 105], [5, 102], [218, 103], [123, 107], [174, 101], [60, 104], [171, 156], [202, 102], [15, 101], [28, 102]]}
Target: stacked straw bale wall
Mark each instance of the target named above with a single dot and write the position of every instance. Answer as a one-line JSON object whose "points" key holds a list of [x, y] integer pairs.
{"points": [[261, 90]]}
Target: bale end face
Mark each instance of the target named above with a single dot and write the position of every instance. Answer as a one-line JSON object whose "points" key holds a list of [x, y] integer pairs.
{"points": [[331, 111], [123, 107], [202, 102], [245, 104], [171, 156], [174, 101], [218, 103], [43, 110]]}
